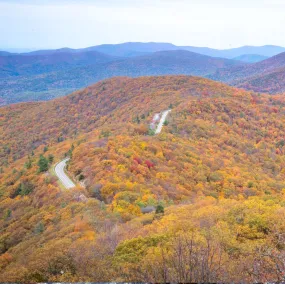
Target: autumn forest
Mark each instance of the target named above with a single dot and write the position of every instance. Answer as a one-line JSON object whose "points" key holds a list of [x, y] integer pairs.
{"points": [[201, 201]]}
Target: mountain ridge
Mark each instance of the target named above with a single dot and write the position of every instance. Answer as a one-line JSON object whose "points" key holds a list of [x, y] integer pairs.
{"points": [[251, 58], [261, 72], [158, 63], [19, 65], [136, 48]]}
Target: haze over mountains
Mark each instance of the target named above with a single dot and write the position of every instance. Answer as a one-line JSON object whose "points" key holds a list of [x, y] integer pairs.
{"points": [[265, 76], [46, 74], [16, 85], [19, 65], [138, 48], [251, 58]]}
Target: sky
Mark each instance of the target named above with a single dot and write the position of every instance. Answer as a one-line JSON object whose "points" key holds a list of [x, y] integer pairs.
{"points": [[221, 24]]}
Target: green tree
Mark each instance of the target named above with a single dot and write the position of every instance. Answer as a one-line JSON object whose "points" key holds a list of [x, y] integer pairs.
{"points": [[81, 177], [159, 209], [138, 120], [7, 214], [151, 132], [43, 164], [28, 164], [39, 228], [70, 151], [24, 188], [50, 158]]}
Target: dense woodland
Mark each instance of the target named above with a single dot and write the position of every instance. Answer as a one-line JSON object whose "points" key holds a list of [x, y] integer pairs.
{"points": [[215, 176], [46, 74], [42, 77], [104, 105], [266, 76], [272, 82]]}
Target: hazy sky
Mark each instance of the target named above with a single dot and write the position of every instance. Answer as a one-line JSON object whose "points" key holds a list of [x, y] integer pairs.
{"points": [[213, 23]]}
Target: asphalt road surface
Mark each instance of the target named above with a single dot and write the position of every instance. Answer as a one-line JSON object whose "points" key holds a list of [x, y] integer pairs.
{"points": [[59, 171], [162, 120]]}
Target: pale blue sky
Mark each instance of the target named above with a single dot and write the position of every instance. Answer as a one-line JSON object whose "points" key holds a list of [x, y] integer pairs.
{"points": [[76, 24]]}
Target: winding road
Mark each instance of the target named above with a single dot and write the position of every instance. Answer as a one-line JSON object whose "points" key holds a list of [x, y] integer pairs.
{"points": [[59, 171], [162, 120], [59, 167]]}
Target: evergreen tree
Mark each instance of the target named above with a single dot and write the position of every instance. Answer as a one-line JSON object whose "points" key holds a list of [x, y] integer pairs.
{"points": [[39, 228], [159, 209], [43, 164], [28, 164], [50, 158]]}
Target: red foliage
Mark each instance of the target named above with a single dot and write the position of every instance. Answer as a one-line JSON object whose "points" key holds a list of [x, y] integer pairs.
{"points": [[149, 164], [138, 160]]}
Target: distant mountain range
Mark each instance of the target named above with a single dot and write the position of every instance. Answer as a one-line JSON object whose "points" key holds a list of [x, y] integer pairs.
{"points": [[251, 58], [272, 82], [46, 74], [265, 76], [21, 65], [5, 53], [32, 83], [130, 49]]}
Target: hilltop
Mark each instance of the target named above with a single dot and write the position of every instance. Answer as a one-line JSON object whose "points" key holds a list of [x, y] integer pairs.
{"points": [[215, 176]]}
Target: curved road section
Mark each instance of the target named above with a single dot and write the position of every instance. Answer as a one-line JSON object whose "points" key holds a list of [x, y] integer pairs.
{"points": [[68, 183], [162, 120], [59, 171]]}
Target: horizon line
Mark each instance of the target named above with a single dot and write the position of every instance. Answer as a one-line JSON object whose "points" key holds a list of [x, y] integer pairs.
{"points": [[32, 49]]}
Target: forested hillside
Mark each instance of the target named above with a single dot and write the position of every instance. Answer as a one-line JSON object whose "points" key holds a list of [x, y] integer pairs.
{"points": [[107, 103], [21, 65], [214, 177], [58, 80], [271, 82], [266, 76], [251, 58]]}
